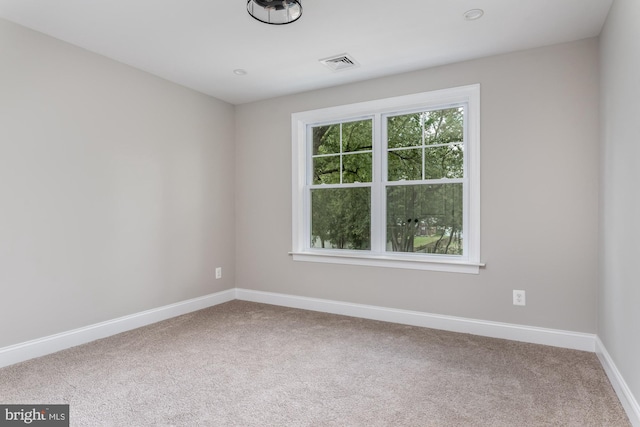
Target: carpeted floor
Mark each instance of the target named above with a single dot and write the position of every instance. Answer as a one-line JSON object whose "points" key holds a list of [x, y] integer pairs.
{"points": [[248, 364]]}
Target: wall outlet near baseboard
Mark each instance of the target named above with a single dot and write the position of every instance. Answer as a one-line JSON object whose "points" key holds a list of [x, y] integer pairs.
{"points": [[519, 298], [218, 272]]}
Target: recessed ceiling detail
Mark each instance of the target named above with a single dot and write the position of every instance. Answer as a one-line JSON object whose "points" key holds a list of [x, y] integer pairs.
{"points": [[339, 62], [473, 14]]}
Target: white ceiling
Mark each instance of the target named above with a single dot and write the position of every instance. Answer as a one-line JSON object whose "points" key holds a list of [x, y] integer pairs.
{"points": [[198, 43]]}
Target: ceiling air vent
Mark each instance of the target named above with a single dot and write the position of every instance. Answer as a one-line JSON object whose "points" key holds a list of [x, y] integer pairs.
{"points": [[339, 62]]}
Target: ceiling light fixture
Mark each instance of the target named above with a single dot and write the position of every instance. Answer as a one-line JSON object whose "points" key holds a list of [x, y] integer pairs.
{"points": [[275, 12], [473, 14], [240, 72]]}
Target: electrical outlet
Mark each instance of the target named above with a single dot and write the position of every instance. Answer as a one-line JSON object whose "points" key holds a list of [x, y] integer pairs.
{"points": [[218, 272], [519, 298]]}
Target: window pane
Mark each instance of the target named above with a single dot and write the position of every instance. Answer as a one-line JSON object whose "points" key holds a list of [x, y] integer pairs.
{"points": [[425, 218], [326, 139], [326, 170], [341, 218], [443, 162], [444, 126], [404, 131], [357, 136], [404, 164], [356, 168]]}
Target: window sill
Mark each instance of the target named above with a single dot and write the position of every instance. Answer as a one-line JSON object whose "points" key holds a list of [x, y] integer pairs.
{"points": [[405, 261]]}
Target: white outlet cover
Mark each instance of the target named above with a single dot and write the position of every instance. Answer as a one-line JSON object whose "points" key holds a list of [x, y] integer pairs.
{"points": [[519, 297]]}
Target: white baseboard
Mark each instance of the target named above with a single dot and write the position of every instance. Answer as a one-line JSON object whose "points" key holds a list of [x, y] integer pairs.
{"points": [[557, 338], [628, 401], [552, 337], [52, 343]]}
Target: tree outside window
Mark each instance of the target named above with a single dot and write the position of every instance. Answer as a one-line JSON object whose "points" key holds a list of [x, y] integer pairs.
{"points": [[391, 182]]}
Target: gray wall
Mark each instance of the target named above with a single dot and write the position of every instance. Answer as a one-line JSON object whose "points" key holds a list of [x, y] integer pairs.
{"points": [[619, 300], [116, 189], [539, 194]]}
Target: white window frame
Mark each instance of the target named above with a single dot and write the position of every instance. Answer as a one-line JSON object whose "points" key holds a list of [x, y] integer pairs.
{"points": [[301, 122]]}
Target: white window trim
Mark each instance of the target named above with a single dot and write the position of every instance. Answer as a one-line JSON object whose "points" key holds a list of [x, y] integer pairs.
{"points": [[468, 263]]}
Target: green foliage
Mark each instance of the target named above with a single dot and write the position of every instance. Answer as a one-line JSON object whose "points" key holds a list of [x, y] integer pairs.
{"points": [[356, 168], [405, 165], [444, 162], [405, 131], [341, 218], [342, 153], [425, 218], [443, 126], [326, 139], [428, 143], [357, 136], [420, 217], [326, 170]]}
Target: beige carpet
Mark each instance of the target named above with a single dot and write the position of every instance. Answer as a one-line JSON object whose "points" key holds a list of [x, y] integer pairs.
{"points": [[247, 364]]}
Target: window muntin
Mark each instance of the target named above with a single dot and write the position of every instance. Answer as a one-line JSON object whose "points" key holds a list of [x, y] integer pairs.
{"points": [[425, 147], [340, 190], [405, 170], [342, 152], [421, 147]]}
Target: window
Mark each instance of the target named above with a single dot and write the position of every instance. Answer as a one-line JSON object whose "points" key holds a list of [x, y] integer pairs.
{"points": [[392, 182]]}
